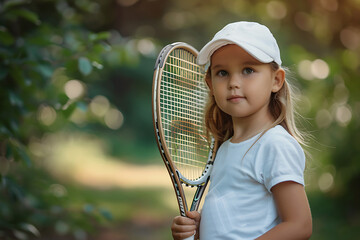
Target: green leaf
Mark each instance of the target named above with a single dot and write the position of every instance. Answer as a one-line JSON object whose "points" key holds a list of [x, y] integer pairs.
{"points": [[28, 15], [6, 38], [11, 3], [99, 36], [17, 74], [15, 99], [19, 149], [84, 66], [45, 70], [30, 228]]}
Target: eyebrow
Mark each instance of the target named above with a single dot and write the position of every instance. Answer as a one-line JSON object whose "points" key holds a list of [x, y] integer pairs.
{"points": [[216, 66], [253, 63], [244, 63]]}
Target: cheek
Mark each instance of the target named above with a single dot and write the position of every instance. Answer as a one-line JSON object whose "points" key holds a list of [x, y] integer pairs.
{"points": [[258, 92], [219, 97], [216, 88]]}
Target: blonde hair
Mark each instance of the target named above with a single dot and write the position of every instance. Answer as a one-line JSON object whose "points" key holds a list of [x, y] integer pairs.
{"points": [[281, 106]]}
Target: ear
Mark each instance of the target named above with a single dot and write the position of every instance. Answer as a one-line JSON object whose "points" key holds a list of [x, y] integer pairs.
{"points": [[208, 81], [279, 79]]}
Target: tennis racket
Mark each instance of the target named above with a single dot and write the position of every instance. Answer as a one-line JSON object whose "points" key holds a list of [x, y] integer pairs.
{"points": [[179, 98]]}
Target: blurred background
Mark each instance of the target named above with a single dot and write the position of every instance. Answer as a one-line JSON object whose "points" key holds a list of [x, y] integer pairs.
{"points": [[78, 157]]}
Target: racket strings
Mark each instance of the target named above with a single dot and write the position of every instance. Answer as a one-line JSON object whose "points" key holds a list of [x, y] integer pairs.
{"points": [[183, 95]]}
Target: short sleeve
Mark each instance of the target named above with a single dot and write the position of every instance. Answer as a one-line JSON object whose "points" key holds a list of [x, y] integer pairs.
{"points": [[283, 160]]}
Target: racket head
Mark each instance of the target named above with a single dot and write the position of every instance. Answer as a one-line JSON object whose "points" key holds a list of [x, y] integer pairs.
{"points": [[180, 95]]}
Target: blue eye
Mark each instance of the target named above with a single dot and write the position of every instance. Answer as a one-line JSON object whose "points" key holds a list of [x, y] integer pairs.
{"points": [[248, 71], [222, 73]]}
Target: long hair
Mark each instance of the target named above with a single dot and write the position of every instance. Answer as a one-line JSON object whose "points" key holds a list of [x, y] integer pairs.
{"points": [[219, 124]]}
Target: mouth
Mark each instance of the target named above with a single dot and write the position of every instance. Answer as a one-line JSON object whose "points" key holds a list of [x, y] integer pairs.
{"points": [[235, 98]]}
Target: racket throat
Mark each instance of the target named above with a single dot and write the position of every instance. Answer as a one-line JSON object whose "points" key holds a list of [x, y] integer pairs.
{"points": [[180, 197], [197, 196]]}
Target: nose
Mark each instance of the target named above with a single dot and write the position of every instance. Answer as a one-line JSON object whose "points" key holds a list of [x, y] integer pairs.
{"points": [[235, 81]]}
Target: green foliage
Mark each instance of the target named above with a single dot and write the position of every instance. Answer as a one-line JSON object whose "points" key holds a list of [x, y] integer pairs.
{"points": [[39, 54]]}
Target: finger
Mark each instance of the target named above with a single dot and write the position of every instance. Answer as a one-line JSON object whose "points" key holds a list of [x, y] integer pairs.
{"points": [[195, 215], [182, 235], [179, 220], [183, 228]]}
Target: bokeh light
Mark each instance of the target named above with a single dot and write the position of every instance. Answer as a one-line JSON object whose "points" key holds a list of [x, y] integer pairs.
{"points": [[330, 5], [146, 47], [304, 21], [74, 89], [304, 70], [58, 190], [46, 115], [326, 182], [78, 116], [276, 9], [323, 118], [320, 69], [99, 105], [343, 115], [350, 37], [114, 119], [310, 70]]}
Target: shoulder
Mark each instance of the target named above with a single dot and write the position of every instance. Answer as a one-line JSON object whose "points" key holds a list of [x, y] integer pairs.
{"points": [[278, 146], [278, 137], [280, 158]]}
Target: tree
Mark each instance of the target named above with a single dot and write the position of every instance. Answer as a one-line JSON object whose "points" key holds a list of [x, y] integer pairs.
{"points": [[44, 51]]}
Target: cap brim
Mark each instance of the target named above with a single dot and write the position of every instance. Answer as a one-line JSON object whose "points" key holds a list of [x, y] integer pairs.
{"points": [[206, 52]]}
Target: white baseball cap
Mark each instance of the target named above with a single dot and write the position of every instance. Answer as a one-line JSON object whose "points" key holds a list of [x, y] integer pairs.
{"points": [[254, 38]]}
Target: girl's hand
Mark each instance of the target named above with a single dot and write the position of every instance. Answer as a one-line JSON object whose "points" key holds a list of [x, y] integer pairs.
{"points": [[184, 227]]}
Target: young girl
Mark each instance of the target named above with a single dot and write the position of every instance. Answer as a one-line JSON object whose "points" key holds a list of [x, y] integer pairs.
{"points": [[257, 184]]}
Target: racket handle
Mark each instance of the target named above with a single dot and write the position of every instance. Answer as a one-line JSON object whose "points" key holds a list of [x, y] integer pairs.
{"points": [[190, 238]]}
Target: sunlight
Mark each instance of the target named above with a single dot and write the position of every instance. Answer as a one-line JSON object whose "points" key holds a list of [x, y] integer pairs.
{"points": [[276, 9], [310, 70], [82, 158], [304, 70], [74, 89], [343, 115], [99, 105], [326, 182], [350, 38], [146, 47], [46, 115], [320, 69], [114, 119], [304, 21]]}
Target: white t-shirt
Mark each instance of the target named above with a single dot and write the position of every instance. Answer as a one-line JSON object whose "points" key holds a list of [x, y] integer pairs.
{"points": [[239, 204]]}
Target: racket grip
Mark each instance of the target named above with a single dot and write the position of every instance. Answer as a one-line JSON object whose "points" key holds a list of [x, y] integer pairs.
{"points": [[190, 238]]}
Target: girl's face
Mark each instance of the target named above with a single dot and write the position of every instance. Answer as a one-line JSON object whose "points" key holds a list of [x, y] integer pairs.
{"points": [[241, 84]]}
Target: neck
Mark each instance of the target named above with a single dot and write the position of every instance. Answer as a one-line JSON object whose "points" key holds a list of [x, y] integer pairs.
{"points": [[245, 128]]}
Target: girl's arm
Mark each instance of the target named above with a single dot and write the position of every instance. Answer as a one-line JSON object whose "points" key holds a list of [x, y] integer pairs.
{"points": [[184, 227], [294, 211]]}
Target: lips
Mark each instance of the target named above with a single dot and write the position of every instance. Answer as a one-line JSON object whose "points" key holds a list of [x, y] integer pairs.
{"points": [[235, 98]]}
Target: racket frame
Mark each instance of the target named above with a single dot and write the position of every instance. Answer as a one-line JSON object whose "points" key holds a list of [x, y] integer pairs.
{"points": [[176, 177]]}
